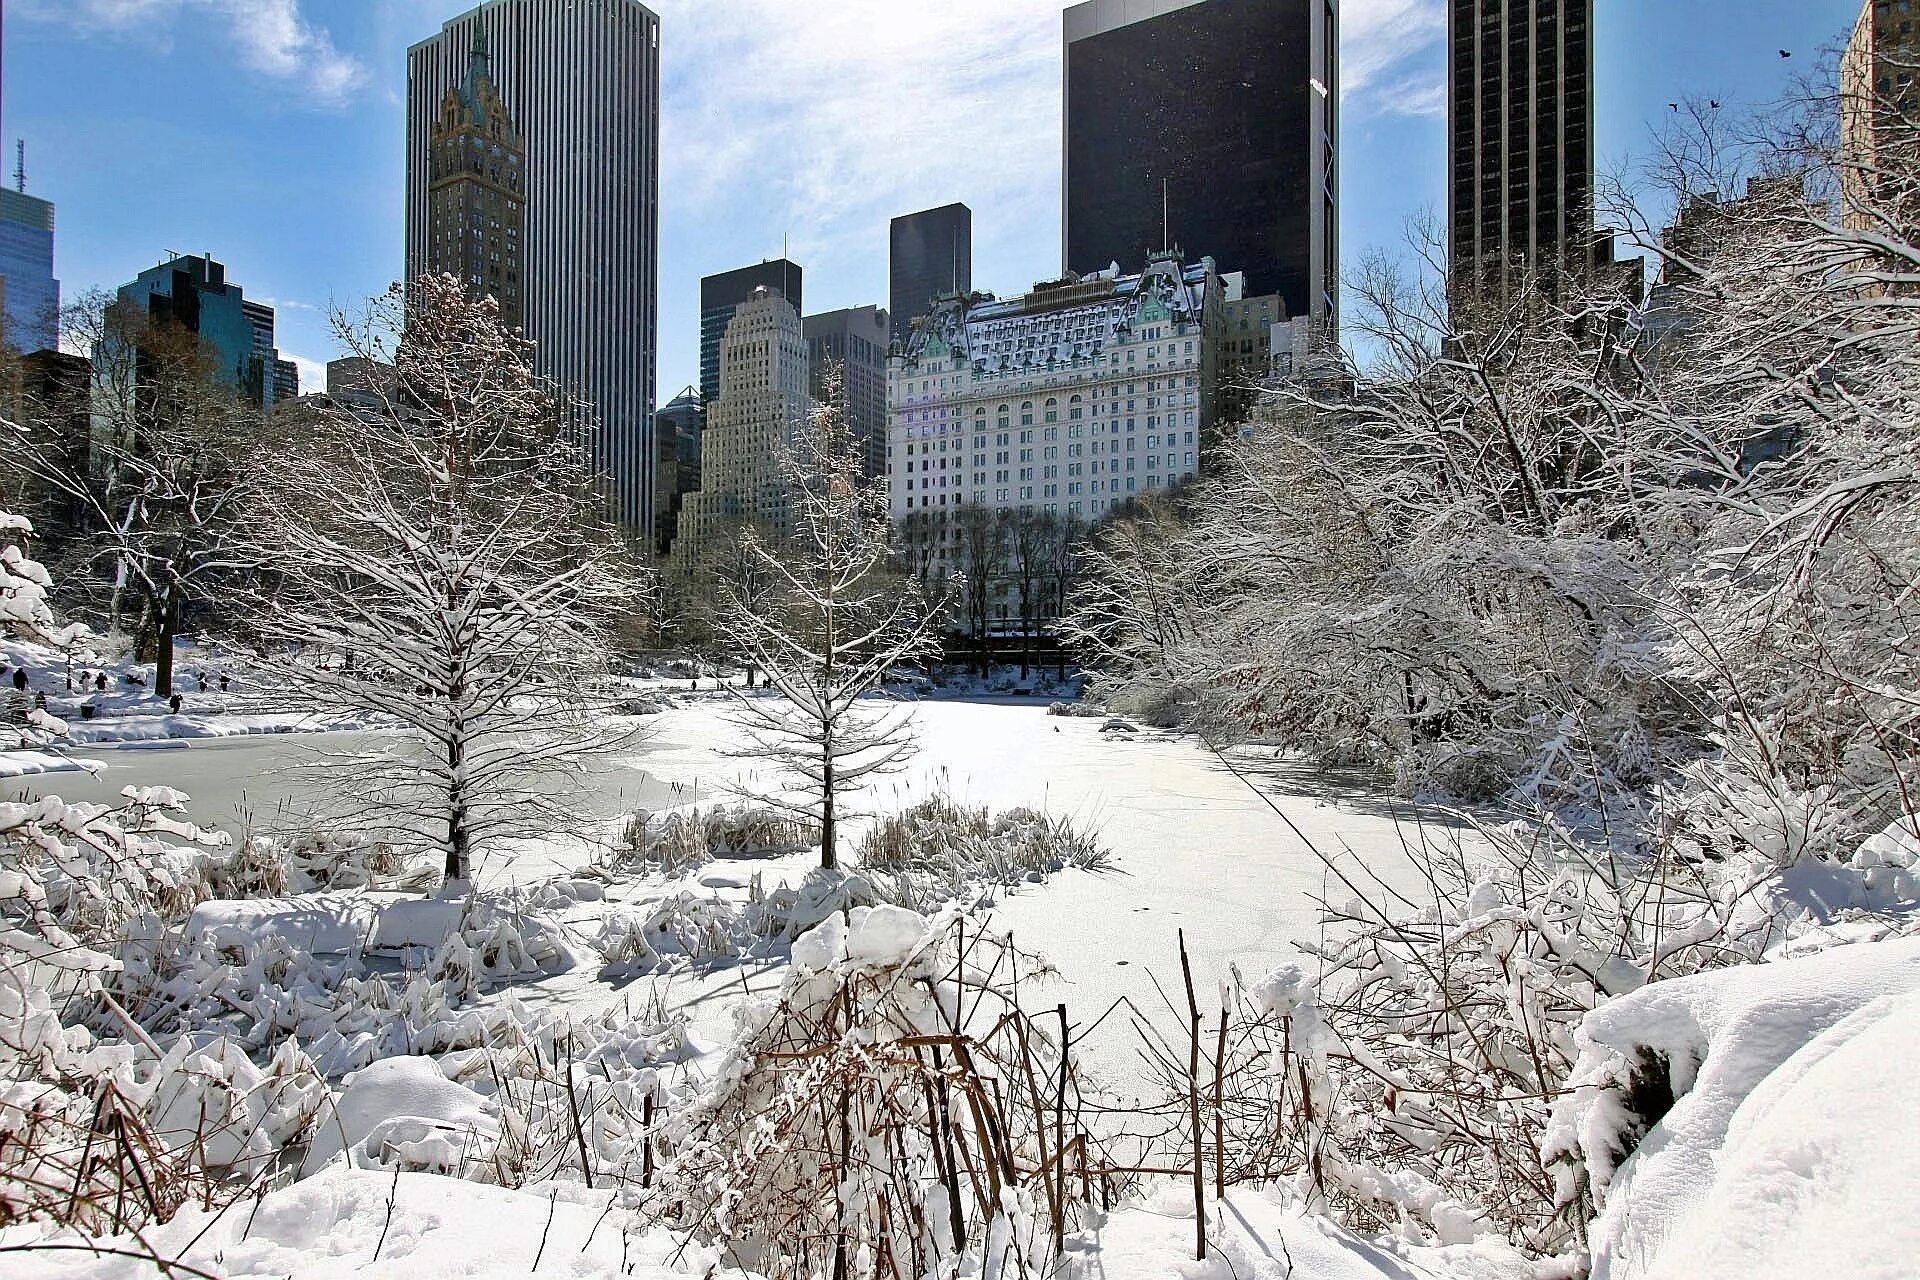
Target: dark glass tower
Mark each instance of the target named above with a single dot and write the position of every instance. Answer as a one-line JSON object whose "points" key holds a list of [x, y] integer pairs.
{"points": [[929, 253], [1209, 125], [1520, 146], [721, 294]]}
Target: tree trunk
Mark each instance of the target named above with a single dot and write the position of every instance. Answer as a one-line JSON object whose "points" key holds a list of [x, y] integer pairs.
{"points": [[828, 858], [163, 655]]}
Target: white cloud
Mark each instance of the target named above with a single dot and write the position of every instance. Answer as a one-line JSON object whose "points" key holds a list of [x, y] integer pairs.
{"points": [[1378, 38], [313, 373], [271, 37]]}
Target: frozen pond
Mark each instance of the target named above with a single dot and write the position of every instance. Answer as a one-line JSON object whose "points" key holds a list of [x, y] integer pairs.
{"points": [[1197, 847]]}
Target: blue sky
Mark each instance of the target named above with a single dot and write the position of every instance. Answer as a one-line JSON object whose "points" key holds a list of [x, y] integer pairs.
{"points": [[268, 132]]}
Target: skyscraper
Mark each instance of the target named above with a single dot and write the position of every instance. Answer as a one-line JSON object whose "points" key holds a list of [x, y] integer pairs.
{"points": [[582, 79], [854, 341], [721, 294], [476, 190], [27, 286], [930, 253], [763, 399], [1210, 126], [1520, 125]]}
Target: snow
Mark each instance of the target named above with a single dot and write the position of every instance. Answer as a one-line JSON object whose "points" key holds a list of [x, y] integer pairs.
{"points": [[1791, 1128], [403, 1112], [318, 923], [1253, 1235], [338, 1226]]}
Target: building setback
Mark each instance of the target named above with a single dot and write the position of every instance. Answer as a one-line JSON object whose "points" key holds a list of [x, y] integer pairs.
{"points": [[929, 255], [583, 80], [28, 290], [763, 400], [853, 341], [1209, 125], [1520, 138], [1072, 399], [280, 379], [721, 294], [476, 191]]}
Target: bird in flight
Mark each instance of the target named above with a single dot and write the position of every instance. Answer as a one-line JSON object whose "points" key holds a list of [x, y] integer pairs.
{"points": [[1786, 53]]}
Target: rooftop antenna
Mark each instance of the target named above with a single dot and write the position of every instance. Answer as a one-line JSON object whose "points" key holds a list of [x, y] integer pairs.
{"points": [[20, 167], [1166, 236]]}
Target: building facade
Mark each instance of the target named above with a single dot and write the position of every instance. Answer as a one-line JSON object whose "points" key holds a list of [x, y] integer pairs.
{"points": [[678, 426], [1072, 399], [1260, 345], [29, 293], [1520, 138], [280, 379], [1208, 124], [583, 80], [853, 341], [929, 255], [1879, 99], [721, 294], [763, 400], [476, 190], [192, 293]]}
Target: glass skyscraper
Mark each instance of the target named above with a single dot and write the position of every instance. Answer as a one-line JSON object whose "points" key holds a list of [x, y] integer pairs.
{"points": [[26, 272]]}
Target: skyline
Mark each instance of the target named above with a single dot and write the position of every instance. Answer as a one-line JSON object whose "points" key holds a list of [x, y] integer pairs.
{"points": [[270, 133]]}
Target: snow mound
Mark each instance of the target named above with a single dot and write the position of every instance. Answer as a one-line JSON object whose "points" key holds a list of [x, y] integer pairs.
{"points": [[338, 1226], [403, 1113], [1785, 1139]]}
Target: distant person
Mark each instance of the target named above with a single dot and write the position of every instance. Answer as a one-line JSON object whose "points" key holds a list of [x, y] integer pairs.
{"points": [[223, 684], [175, 702], [202, 677], [20, 677], [40, 700], [100, 681]]}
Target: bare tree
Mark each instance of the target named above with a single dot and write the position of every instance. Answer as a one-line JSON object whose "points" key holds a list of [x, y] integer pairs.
{"points": [[980, 544], [829, 624], [444, 559]]}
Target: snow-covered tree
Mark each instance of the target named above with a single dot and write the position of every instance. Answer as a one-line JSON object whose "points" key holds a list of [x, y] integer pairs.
{"points": [[159, 486], [826, 619], [443, 559]]}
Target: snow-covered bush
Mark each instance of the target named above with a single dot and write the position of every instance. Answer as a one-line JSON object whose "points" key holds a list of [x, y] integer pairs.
{"points": [[886, 1114], [966, 844], [679, 840]]}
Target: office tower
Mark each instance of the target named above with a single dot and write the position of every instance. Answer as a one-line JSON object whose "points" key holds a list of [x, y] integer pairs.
{"points": [[763, 399], [720, 294], [280, 378], [359, 376], [476, 190], [854, 341], [929, 255], [1879, 100], [192, 293], [31, 294], [1209, 126], [1071, 399], [1520, 124], [581, 79]]}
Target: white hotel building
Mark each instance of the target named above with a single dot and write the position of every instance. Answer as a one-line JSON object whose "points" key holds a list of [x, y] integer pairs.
{"points": [[1071, 399]]}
